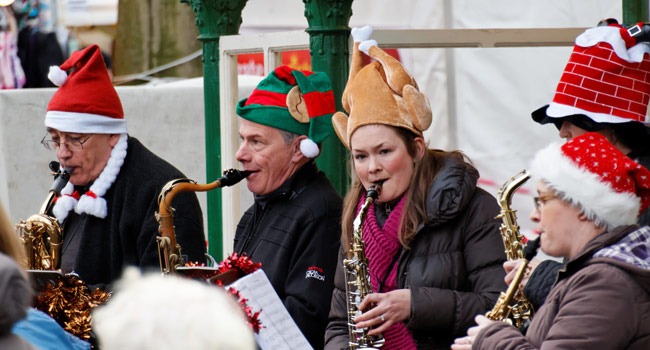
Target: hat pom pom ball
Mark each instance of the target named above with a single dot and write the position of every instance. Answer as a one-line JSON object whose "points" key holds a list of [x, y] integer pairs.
{"points": [[57, 76], [309, 148]]}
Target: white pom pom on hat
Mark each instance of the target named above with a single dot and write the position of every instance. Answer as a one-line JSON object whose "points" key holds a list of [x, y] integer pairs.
{"points": [[309, 148], [57, 76]]}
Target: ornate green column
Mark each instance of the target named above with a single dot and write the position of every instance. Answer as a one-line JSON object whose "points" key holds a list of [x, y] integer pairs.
{"points": [[329, 35], [635, 11], [214, 18]]}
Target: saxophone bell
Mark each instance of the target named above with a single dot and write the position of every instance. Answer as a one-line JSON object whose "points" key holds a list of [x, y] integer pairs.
{"points": [[41, 234]]}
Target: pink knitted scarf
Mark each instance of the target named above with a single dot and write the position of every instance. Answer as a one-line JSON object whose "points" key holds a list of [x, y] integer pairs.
{"points": [[382, 244]]}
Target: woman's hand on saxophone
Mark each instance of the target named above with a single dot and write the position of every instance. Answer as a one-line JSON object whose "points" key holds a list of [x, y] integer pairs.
{"points": [[465, 343], [389, 308], [511, 267]]}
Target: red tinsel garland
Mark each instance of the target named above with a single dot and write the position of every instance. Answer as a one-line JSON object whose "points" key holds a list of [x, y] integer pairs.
{"points": [[243, 266]]}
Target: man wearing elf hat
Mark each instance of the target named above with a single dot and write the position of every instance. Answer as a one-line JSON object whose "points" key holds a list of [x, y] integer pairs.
{"points": [[293, 228], [603, 89], [589, 197], [108, 207]]}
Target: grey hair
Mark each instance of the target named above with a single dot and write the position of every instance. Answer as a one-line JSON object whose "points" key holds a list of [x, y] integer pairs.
{"points": [[288, 136]]}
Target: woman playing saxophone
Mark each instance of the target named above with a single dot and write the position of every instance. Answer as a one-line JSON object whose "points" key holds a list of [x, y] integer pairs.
{"points": [[432, 242]]}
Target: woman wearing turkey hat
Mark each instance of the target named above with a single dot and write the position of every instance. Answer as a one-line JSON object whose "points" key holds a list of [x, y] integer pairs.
{"points": [[431, 238]]}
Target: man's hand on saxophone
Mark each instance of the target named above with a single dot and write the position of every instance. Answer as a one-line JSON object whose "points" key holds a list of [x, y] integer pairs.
{"points": [[389, 308]]}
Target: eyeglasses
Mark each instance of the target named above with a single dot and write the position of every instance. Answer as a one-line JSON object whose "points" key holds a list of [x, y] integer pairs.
{"points": [[73, 144], [541, 200]]}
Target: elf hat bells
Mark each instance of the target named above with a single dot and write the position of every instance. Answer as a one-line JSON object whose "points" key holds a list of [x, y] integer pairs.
{"points": [[382, 92], [590, 172], [605, 80], [300, 102]]}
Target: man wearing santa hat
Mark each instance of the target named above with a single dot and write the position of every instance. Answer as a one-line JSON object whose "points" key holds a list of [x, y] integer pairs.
{"points": [[589, 198], [107, 209]]}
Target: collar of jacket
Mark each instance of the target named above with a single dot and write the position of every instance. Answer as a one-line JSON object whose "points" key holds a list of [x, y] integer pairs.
{"points": [[450, 191], [291, 187], [604, 239]]}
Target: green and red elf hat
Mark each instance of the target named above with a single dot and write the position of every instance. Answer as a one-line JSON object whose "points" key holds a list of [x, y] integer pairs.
{"points": [[300, 102]]}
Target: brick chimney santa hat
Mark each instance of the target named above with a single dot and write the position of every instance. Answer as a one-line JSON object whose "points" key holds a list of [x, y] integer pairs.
{"points": [[86, 101], [607, 80], [590, 172]]}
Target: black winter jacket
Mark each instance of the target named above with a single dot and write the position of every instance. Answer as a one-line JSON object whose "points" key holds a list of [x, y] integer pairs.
{"points": [[453, 267], [295, 233], [127, 236]]}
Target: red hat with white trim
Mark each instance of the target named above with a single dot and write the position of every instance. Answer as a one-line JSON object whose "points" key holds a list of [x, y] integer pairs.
{"points": [[607, 80], [590, 172], [86, 101]]}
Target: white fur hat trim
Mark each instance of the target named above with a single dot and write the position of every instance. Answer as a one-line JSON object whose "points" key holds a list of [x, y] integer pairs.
{"points": [[612, 35], [585, 188], [556, 110]]}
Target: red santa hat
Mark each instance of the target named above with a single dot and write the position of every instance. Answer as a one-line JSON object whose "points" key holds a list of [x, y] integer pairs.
{"points": [[590, 172], [86, 101], [607, 79]]}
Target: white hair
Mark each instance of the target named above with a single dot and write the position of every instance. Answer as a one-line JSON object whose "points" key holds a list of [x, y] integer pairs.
{"points": [[169, 312]]}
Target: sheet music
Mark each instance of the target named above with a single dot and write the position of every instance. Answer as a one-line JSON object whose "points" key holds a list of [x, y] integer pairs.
{"points": [[279, 331]]}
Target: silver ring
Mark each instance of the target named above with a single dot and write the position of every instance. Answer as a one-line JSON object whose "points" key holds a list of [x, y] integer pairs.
{"points": [[381, 317]]}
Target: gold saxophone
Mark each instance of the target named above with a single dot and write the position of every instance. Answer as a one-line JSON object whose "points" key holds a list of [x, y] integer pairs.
{"points": [[512, 306], [357, 279], [41, 233], [169, 251], [65, 297]]}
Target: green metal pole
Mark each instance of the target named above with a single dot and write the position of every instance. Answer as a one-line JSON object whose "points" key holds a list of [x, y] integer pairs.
{"points": [[635, 11], [214, 18], [329, 36]]}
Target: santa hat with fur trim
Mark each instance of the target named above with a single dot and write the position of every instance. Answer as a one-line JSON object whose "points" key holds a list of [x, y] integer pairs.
{"points": [[607, 80], [86, 101], [592, 173], [300, 102]]}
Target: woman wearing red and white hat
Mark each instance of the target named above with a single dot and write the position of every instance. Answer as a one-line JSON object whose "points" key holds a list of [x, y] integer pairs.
{"points": [[589, 197]]}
